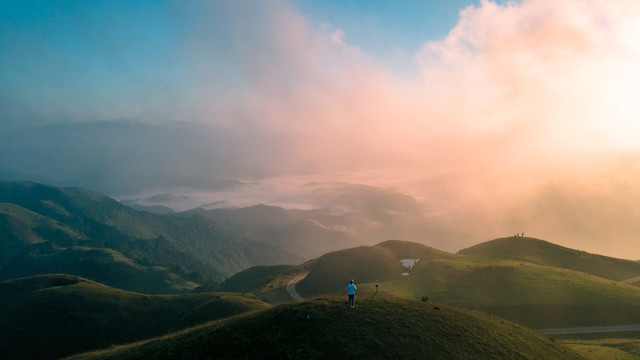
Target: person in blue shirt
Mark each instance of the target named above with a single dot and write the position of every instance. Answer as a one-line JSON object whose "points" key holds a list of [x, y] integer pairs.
{"points": [[351, 288]]}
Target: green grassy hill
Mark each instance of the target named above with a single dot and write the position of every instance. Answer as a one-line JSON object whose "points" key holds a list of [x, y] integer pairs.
{"points": [[22, 227], [50, 316], [383, 328], [366, 264], [268, 283], [253, 279], [607, 348], [545, 253], [534, 295], [191, 247], [101, 265]]}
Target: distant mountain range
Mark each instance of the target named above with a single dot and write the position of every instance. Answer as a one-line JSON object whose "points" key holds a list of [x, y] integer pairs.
{"points": [[348, 215], [46, 229], [58, 246], [126, 157]]}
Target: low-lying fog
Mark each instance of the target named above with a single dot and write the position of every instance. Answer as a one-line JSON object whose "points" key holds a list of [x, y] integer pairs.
{"points": [[516, 116]]}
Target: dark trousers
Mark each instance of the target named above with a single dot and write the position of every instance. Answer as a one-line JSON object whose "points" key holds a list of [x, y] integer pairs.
{"points": [[351, 300]]}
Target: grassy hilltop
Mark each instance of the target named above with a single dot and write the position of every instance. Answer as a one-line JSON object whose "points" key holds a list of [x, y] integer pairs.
{"points": [[49, 316], [545, 253], [50, 230], [534, 294], [383, 328]]}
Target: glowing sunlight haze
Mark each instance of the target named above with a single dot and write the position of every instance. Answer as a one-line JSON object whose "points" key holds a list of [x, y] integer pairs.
{"points": [[523, 117]]}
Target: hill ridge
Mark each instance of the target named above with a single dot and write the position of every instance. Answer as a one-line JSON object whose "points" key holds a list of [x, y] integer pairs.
{"points": [[543, 252], [539, 296], [193, 248], [324, 328], [49, 316]]}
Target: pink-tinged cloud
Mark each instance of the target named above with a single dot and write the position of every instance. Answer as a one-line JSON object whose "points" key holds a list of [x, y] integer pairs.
{"points": [[523, 118], [493, 126], [549, 85], [565, 71], [508, 103]]}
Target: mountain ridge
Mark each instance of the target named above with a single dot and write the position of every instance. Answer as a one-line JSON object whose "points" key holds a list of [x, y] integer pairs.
{"points": [[192, 247]]}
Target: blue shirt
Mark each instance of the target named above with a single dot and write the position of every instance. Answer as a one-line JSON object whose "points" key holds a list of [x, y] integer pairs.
{"points": [[352, 289]]}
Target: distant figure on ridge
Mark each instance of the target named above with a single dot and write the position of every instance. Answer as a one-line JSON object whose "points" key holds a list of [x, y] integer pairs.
{"points": [[352, 293]]}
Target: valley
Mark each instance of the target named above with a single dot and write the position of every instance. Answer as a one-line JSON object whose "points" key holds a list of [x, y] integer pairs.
{"points": [[47, 229], [78, 261], [212, 179]]}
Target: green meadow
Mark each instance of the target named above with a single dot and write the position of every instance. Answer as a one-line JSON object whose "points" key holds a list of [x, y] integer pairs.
{"points": [[49, 316], [606, 348], [51, 230], [535, 294], [325, 328], [131, 276]]}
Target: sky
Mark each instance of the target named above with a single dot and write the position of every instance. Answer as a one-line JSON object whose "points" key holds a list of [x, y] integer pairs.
{"points": [[513, 115]]}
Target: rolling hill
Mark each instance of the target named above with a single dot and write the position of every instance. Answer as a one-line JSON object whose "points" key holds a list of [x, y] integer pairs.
{"points": [[545, 253], [101, 265], [268, 283], [253, 279], [50, 316], [89, 234], [538, 296], [383, 328]]}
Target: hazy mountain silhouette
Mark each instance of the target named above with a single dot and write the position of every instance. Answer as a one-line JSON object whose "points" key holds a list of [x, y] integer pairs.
{"points": [[124, 157], [347, 215], [47, 229]]}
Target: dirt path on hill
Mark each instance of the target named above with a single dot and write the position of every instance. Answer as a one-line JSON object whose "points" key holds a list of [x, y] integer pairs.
{"points": [[291, 287], [589, 329]]}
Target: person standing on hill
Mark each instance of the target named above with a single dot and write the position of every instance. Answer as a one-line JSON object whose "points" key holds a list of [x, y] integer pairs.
{"points": [[351, 288]]}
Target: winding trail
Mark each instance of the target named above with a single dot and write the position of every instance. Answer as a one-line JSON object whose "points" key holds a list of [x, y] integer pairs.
{"points": [[589, 329], [291, 287]]}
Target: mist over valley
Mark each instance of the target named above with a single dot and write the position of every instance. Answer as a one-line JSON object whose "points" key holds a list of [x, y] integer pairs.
{"points": [[183, 167], [203, 179]]}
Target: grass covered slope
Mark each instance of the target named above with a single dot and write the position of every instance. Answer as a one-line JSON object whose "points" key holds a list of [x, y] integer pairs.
{"points": [[545, 253], [105, 266], [618, 349], [49, 316], [192, 247], [365, 264], [534, 295], [326, 329], [253, 279], [268, 283]]}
